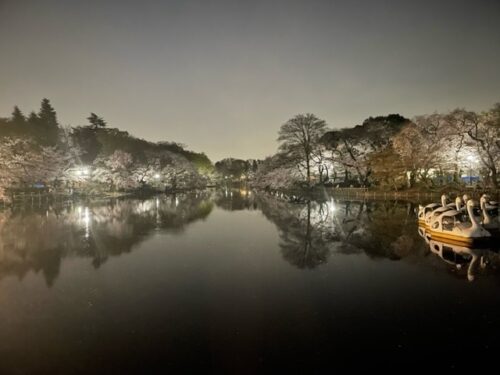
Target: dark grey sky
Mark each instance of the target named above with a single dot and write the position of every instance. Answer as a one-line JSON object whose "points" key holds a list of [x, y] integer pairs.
{"points": [[222, 76]]}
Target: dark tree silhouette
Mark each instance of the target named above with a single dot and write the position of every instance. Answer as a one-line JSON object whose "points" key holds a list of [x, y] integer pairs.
{"points": [[46, 125], [232, 168], [86, 139], [96, 121], [32, 117], [18, 118], [47, 113]]}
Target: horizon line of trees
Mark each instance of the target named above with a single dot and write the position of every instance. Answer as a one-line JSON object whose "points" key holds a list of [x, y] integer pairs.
{"points": [[390, 152], [37, 152], [384, 151]]}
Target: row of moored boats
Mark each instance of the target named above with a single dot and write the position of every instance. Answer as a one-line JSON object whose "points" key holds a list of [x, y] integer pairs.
{"points": [[463, 220]]}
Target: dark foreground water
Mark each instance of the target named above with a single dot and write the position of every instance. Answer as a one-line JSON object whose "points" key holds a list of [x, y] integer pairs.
{"points": [[240, 283]]}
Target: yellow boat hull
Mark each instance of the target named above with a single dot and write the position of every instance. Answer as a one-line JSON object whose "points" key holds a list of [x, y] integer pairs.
{"points": [[451, 238]]}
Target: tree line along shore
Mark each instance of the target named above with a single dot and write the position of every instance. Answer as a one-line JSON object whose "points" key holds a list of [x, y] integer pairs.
{"points": [[459, 149]]}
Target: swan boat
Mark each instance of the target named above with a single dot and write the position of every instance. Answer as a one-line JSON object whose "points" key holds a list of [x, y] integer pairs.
{"points": [[448, 226], [425, 213], [490, 215]]}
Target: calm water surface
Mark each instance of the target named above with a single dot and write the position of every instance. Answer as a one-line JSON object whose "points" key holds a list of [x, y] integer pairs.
{"points": [[236, 282]]}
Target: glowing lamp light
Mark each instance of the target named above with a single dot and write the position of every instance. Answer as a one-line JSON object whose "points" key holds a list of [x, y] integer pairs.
{"points": [[82, 172], [157, 176]]}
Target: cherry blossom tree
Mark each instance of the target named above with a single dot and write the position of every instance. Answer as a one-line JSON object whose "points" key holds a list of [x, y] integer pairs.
{"points": [[277, 172], [24, 163], [114, 170]]}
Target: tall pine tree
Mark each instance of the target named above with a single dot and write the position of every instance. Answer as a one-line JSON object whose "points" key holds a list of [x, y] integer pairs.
{"points": [[47, 114], [96, 121], [33, 117], [48, 128], [17, 117]]}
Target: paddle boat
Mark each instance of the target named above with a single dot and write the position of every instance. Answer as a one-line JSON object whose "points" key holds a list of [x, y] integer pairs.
{"points": [[425, 211], [490, 203], [490, 206], [433, 215], [490, 217], [449, 225]]}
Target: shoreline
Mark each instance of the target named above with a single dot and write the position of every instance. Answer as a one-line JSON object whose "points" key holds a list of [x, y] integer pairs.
{"points": [[429, 195], [414, 195]]}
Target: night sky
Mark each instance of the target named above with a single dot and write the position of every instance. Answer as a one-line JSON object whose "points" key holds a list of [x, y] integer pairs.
{"points": [[222, 76]]}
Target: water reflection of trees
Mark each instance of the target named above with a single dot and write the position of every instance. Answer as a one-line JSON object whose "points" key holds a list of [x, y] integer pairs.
{"points": [[310, 232], [383, 229], [37, 239], [235, 199], [305, 239]]}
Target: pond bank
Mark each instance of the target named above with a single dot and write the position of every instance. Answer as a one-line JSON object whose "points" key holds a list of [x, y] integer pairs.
{"points": [[413, 195]]}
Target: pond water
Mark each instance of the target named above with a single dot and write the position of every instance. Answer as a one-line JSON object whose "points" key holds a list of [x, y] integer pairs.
{"points": [[235, 281]]}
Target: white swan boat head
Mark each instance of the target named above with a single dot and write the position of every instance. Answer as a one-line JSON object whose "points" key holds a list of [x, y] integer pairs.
{"points": [[424, 210], [428, 213], [432, 216], [490, 214], [465, 198]]}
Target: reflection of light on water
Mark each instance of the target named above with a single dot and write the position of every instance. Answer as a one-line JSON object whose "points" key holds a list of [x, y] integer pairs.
{"points": [[145, 206], [158, 221], [331, 206], [84, 217], [86, 220], [176, 201]]}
